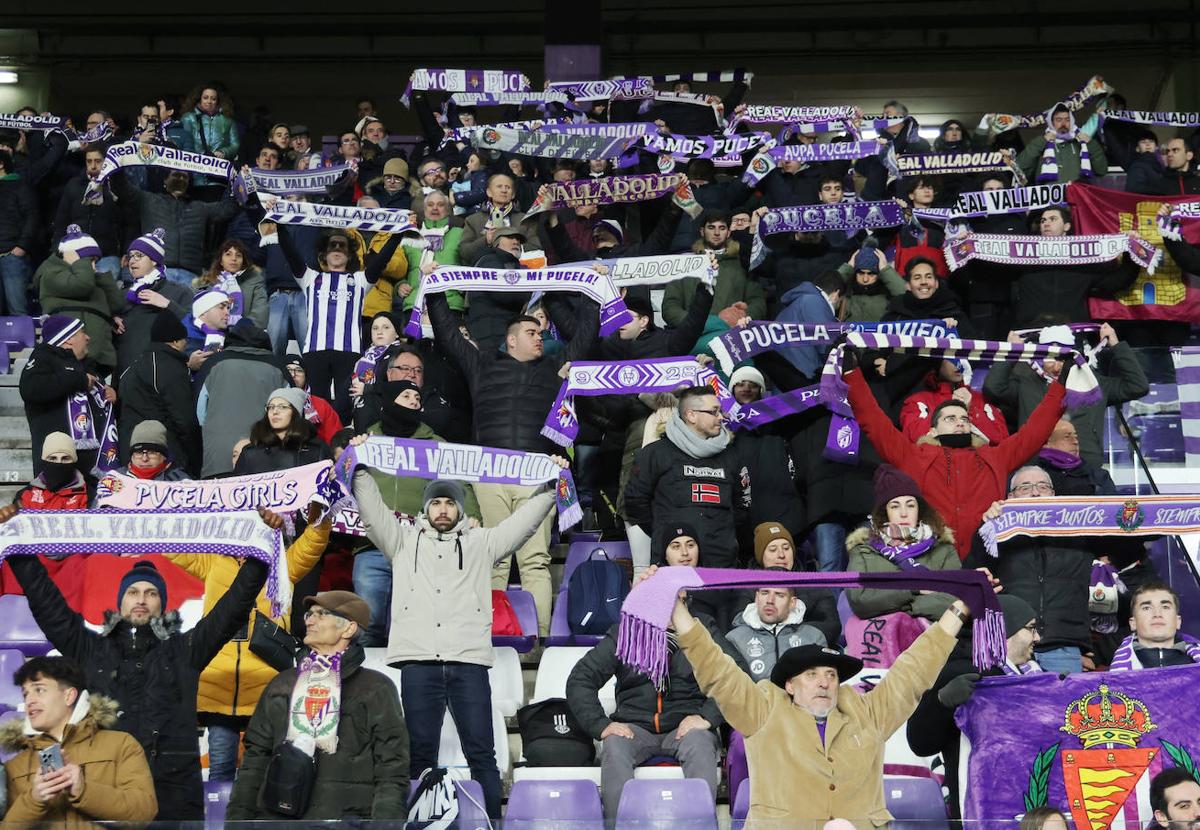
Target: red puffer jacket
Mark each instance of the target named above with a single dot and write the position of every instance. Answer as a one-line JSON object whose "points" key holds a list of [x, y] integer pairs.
{"points": [[916, 418], [960, 483]]}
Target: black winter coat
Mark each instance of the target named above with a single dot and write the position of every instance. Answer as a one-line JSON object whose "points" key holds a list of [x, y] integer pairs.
{"points": [[49, 379], [668, 485], [638, 702], [18, 215], [445, 399], [511, 398], [103, 222], [140, 319], [158, 387], [368, 775], [152, 671], [490, 312], [260, 459], [1063, 290]]}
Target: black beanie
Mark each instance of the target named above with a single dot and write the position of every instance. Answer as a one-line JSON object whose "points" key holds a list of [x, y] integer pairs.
{"points": [[166, 328], [143, 571]]}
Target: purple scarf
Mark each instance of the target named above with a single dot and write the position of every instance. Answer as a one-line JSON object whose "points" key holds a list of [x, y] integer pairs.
{"points": [[1124, 659], [902, 556], [646, 613], [364, 369], [1060, 459]]}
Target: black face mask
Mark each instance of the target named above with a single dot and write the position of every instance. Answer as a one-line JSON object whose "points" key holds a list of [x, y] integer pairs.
{"points": [[57, 475], [399, 421], [956, 440]]}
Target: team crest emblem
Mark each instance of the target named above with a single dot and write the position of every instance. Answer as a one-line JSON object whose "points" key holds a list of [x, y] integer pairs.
{"points": [[1132, 516], [110, 484], [759, 165], [512, 277], [147, 151], [490, 136], [628, 376]]}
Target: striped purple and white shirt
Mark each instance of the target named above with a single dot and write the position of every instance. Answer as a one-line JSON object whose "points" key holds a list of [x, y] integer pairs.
{"points": [[335, 304]]}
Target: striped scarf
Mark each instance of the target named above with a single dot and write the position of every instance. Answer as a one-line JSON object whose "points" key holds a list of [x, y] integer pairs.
{"points": [[1125, 658]]}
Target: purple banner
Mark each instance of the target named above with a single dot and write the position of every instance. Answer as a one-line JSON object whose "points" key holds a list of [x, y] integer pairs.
{"points": [[686, 147], [606, 190], [549, 144], [1087, 744], [462, 462], [843, 216], [764, 163]]}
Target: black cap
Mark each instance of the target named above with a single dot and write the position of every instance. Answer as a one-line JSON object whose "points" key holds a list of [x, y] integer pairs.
{"points": [[801, 658], [167, 328]]}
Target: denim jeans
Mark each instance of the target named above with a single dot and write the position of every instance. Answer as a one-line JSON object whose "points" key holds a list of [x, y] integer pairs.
{"points": [[373, 582], [426, 689], [1061, 660], [829, 539], [222, 753], [180, 275], [15, 272], [289, 319]]}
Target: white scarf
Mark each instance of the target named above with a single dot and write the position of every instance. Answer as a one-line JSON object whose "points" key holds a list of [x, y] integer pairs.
{"points": [[316, 704]]}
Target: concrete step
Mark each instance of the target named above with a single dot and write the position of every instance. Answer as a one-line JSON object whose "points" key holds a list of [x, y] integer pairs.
{"points": [[16, 465]]}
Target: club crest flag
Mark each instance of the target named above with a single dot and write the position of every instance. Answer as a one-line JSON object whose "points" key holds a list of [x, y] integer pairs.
{"points": [[1086, 744], [1168, 293]]}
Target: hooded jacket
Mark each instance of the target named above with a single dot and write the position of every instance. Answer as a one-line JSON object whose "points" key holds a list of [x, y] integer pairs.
{"points": [[50, 378], [442, 590], [866, 305], [916, 416], [158, 387], [806, 304], [139, 320], [150, 670], [78, 290], [960, 483], [761, 645], [875, 602], [638, 702], [116, 779], [366, 778], [233, 682]]}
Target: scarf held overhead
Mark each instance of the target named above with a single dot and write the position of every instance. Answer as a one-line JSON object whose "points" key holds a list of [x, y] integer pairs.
{"points": [[486, 81], [620, 377], [995, 122], [1050, 250], [379, 220], [606, 190], [316, 180], [1063, 516], [141, 532], [549, 145], [463, 462], [587, 281], [806, 154], [646, 613], [282, 491]]}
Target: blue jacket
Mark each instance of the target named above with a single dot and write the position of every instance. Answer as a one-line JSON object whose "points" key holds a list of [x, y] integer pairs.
{"points": [[804, 304]]}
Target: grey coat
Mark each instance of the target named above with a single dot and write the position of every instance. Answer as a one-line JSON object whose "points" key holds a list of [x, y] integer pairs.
{"points": [[234, 393], [762, 644]]}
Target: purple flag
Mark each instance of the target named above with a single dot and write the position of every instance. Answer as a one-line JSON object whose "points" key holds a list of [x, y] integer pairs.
{"points": [[1087, 744]]}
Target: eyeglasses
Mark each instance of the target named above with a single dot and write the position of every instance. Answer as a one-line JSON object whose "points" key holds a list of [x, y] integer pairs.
{"points": [[415, 370], [390, 178], [134, 256], [1039, 487], [432, 170], [337, 245], [144, 452], [278, 407], [319, 614], [716, 413], [1033, 627]]}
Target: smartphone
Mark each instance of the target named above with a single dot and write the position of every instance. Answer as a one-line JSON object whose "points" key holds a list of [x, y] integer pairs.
{"points": [[51, 758]]}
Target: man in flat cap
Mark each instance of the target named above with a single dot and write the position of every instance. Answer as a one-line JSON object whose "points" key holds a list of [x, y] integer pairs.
{"points": [[329, 723]]}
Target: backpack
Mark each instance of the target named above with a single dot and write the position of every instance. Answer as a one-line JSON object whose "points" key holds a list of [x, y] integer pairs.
{"points": [[505, 622], [552, 737], [433, 805], [594, 595]]}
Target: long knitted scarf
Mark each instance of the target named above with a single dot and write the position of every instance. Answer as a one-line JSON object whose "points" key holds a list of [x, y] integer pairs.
{"points": [[140, 284], [315, 707], [1125, 657], [903, 555], [995, 122], [646, 613], [484, 81]]}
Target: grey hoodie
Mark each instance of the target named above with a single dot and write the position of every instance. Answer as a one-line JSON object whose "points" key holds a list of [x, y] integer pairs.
{"points": [[442, 581], [762, 644]]}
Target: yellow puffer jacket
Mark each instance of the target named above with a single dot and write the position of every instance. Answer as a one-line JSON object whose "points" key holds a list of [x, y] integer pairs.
{"points": [[232, 683], [379, 298]]}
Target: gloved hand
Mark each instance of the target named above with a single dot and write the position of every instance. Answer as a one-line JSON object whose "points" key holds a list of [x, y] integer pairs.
{"points": [[958, 691], [1068, 363], [849, 359]]}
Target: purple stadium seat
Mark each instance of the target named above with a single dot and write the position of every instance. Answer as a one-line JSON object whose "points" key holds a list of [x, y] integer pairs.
{"points": [[741, 805], [17, 332], [1160, 438], [574, 801], [843, 607], [216, 801], [560, 630], [18, 629], [10, 694], [526, 610], [5, 755], [916, 803], [670, 803]]}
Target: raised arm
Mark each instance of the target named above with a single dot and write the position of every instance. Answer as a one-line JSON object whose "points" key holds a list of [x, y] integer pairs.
{"points": [[683, 337], [448, 337], [377, 518], [587, 326], [514, 531], [890, 442], [378, 261], [228, 615], [288, 246]]}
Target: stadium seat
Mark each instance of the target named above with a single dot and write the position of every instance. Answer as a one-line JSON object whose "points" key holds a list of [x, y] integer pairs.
{"points": [[5, 360], [508, 685], [560, 629], [10, 694], [916, 803], [18, 629], [741, 805], [17, 332], [686, 803], [574, 800], [216, 801], [526, 610], [554, 669]]}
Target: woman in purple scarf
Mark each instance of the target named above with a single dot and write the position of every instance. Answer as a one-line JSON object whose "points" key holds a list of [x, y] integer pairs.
{"points": [[905, 532]]}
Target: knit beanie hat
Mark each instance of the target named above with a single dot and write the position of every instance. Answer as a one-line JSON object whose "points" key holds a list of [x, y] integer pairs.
{"points": [[59, 442], [747, 373], [445, 488], [292, 395], [892, 483], [611, 226], [1057, 336], [79, 242], [59, 328], [206, 301], [143, 571], [396, 167], [865, 259], [665, 535], [166, 328], [151, 435], [766, 533], [1017, 613], [152, 245]]}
